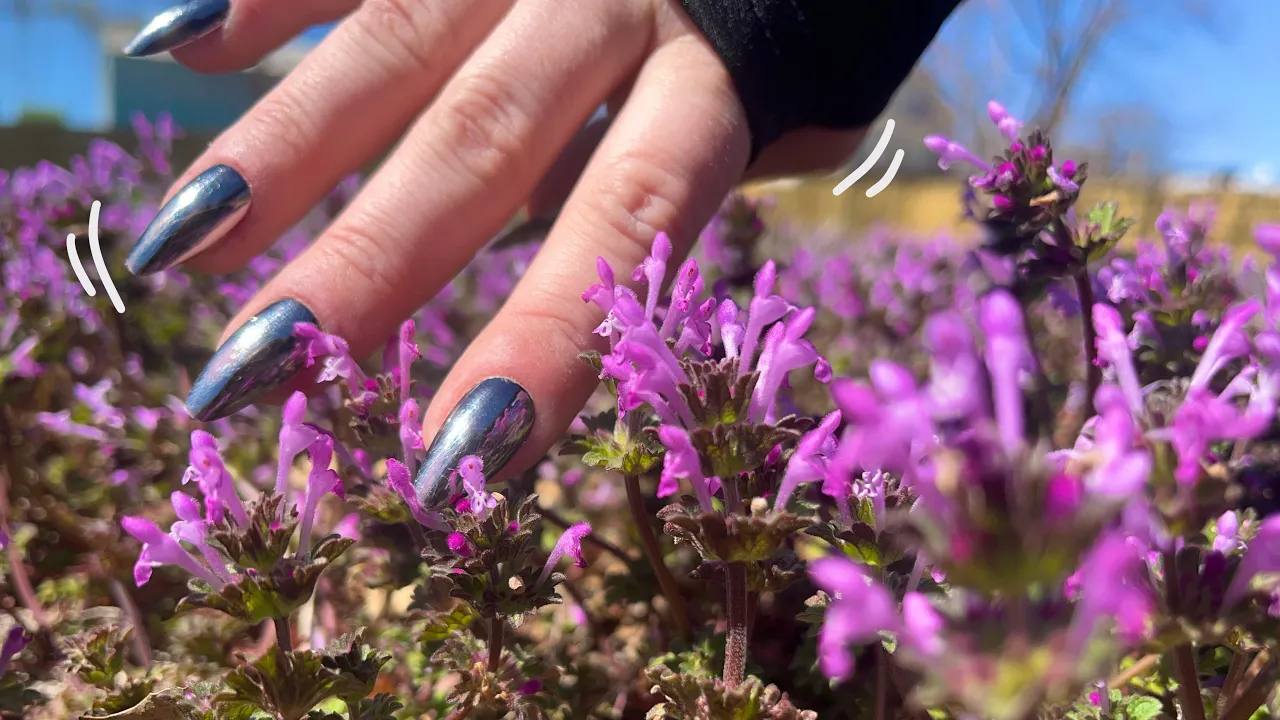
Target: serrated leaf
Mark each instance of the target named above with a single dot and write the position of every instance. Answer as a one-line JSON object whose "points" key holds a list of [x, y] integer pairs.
{"points": [[1143, 708]]}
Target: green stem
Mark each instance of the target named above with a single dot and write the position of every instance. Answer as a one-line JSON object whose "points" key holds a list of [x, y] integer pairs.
{"points": [[497, 628], [735, 652], [1093, 373], [1255, 693], [649, 542], [284, 633], [882, 684], [1184, 659]]}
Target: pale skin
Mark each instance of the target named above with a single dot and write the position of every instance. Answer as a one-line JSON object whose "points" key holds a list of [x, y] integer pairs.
{"points": [[487, 100]]}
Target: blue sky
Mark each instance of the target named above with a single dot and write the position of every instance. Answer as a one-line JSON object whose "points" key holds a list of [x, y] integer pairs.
{"points": [[1217, 93]]}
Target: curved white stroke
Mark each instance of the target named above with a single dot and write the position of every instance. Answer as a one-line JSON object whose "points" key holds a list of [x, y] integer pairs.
{"points": [[867, 164], [874, 190], [98, 262], [75, 265]]}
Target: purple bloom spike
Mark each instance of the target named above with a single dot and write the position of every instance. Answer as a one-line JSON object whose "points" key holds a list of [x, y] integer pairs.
{"points": [[681, 461], [295, 437], [161, 549], [570, 543]]}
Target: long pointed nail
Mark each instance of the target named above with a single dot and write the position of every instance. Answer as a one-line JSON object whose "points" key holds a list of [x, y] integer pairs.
{"points": [[259, 357], [491, 421], [178, 26], [201, 213]]}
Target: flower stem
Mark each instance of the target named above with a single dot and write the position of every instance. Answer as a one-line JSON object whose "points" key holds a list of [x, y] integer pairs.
{"points": [[1133, 672], [649, 542], [1184, 659], [1255, 693], [1084, 290], [591, 539], [882, 683], [1235, 674], [735, 651], [497, 628], [17, 568], [284, 634]]}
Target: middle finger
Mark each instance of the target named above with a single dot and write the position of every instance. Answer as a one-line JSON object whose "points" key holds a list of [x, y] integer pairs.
{"points": [[461, 172]]}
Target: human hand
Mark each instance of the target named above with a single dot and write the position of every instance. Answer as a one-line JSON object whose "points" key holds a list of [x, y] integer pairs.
{"points": [[489, 99]]}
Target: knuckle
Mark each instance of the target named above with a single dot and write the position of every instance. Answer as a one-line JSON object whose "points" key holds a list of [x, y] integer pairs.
{"points": [[483, 129], [282, 124], [354, 248], [639, 197], [566, 329], [400, 24]]}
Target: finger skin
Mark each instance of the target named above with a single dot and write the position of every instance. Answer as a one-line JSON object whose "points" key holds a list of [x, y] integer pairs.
{"points": [[255, 28], [346, 103], [679, 144], [463, 170]]}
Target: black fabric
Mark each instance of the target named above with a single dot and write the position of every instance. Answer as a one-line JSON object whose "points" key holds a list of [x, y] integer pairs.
{"points": [[832, 63]]}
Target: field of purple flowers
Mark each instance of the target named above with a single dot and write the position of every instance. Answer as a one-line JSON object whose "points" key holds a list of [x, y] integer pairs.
{"points": [[904, 478]]}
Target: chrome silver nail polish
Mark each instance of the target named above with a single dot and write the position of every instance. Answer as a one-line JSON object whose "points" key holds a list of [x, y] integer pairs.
{"points": [[491, 422], [255, 360], [200, 214], [178, 26]]}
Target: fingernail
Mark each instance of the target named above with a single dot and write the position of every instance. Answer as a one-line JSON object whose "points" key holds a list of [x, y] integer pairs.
{"points": [[491, 422], [259, 357], [203, 211], [178, 26]]}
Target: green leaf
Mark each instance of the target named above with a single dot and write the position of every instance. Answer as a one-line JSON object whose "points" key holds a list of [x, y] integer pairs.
{"points": [[284, 685], [1143, 708]]}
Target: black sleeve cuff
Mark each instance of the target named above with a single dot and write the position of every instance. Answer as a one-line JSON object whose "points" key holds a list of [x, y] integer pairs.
{"points": [[833, 63]]}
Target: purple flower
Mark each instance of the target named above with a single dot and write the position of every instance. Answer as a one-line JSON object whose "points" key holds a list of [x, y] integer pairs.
{"points": [[1228, 535], [860, 610], [809, 461], [14, 642], [1113, 348], [785, 349], [458, 543], [1008, 124], [161, 549], [1262, 556], [764, 310], [471, 471], [570, 543], [681, 461], [320, 481], [191, 528], [399, 480], [408, 352], [952, 152], [348, 526], [1008, 354], [338, 362], [652, 270], [215, 483], [410, 429], [295, 437], [1268, 238], [1111, 585], [21, 362]]}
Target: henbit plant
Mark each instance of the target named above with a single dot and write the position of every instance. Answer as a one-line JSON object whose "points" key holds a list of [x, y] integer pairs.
{"points": [[1034, 478]]}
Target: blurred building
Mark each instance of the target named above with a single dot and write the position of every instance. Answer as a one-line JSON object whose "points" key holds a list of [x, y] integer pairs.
{"points": [[200, 104]]}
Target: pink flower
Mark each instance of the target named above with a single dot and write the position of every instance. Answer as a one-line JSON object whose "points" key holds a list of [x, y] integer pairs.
{"points": [[570, 543], [295, 437], [681, 461]]}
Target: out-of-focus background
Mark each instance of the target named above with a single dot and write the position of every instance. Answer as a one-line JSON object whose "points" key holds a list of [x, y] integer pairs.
{"points": [[1167, 100]]}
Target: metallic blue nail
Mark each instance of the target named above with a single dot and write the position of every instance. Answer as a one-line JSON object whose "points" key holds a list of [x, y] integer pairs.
{"points": [[178, 26], [492, 421], [262, 355], [201, 213]]}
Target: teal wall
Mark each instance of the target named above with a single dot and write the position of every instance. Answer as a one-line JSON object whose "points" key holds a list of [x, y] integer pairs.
{"points": [[198, 103]]}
